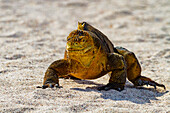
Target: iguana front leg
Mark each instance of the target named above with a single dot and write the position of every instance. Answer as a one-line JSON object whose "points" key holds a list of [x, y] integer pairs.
{"points": [[54, 71], [116, 65]]}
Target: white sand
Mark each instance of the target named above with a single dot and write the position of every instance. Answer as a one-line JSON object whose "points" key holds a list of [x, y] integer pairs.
{"points": [[33, 35]]}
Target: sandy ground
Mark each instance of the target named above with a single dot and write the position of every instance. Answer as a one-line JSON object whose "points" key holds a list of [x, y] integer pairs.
{"points": [[33, 35]]}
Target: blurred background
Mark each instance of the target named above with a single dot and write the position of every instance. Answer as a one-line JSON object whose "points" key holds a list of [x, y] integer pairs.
{"points": [[33, 35]]}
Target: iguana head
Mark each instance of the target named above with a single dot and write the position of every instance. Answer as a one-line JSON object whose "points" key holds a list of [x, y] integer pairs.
{"points": [[79, 42], [80, 47], [82, 44]]}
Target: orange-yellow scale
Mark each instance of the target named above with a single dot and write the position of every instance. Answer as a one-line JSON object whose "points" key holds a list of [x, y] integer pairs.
{"points": [[87, 60]]}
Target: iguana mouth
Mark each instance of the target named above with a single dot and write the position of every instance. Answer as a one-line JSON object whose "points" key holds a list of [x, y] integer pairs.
{"points": [[83, 50]]}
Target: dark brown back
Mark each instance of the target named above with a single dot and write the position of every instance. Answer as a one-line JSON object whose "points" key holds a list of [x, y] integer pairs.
{"points": [[109, 47]]}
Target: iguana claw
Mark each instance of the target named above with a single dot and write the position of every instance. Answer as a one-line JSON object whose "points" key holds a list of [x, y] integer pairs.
{"points": [[116, 86], [142, 80], [50, 86]]}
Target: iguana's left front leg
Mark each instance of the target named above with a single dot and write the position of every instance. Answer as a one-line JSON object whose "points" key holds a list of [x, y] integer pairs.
{"points": [[117, 66], [54, 71]]}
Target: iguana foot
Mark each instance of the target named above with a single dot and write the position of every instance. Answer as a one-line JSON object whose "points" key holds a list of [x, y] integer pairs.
{"points": [[116, 86], [142, 80], [49, 84]]}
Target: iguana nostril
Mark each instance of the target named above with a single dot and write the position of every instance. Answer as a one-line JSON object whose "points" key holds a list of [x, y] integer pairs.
{"points": [[80, 33]]}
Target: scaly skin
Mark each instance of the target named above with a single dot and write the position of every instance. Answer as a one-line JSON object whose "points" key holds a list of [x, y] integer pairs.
{"points": [[89, 55]]}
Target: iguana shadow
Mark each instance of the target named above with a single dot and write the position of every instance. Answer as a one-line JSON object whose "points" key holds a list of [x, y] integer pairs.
{"points": [[138, 95]]}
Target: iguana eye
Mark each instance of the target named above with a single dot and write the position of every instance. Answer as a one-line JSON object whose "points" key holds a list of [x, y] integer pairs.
{"points": [[68, 39]]}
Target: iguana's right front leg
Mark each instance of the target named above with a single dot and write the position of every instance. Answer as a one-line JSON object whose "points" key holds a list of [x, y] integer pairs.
{"points": [[117, 66], [54, 71]]}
